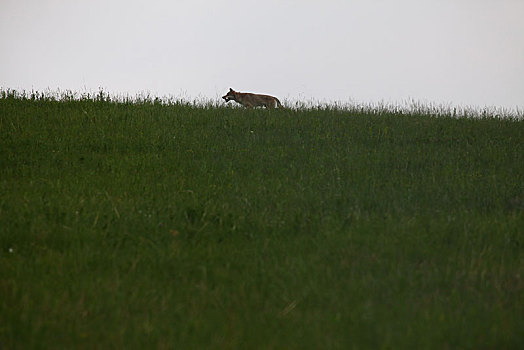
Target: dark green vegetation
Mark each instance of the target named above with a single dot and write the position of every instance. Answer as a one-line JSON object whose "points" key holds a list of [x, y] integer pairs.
{"points": [[146, 225]]}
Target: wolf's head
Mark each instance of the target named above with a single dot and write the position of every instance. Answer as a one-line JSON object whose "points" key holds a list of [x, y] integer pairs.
{"points": [[230, 95]]}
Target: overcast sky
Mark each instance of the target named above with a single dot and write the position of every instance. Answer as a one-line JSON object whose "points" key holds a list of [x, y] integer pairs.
{"points": [[459, 52]]}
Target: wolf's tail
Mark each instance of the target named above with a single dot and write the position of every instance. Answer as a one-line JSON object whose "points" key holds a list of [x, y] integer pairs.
{"points": [[278, 103]]}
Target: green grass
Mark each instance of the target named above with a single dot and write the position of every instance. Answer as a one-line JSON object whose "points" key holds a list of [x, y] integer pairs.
{"points": [[138, 224]]}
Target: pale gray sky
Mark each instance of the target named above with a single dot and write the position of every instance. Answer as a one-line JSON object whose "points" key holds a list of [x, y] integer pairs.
{"points": [[461, 52]]}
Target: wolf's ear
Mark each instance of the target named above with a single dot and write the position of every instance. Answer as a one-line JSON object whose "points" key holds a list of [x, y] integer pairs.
{"points": [[231, 90]]}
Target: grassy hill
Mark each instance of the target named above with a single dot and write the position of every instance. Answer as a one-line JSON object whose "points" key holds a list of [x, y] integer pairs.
{"points": [[145, 224]]}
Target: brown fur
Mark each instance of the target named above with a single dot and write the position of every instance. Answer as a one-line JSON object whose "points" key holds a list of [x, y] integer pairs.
{"points": [[252, 100]]}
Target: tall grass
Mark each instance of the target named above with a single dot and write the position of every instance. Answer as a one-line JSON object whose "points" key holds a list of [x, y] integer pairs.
{"points": [[146, 222]]}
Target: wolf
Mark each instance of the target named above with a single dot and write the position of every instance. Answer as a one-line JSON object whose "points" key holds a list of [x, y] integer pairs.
{"points": [[249, 100]]}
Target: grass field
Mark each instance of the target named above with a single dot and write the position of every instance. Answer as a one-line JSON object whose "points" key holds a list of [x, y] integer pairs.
{"points": [[140, 224]]}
